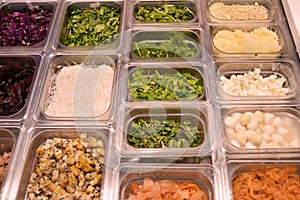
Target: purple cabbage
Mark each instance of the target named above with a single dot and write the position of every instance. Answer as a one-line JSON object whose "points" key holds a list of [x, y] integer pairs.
{"points": [[24, 28]]}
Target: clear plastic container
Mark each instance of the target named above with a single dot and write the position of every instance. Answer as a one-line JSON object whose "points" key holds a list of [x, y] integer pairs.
{"points": [[28, 75], [40, 136], [247, 29], [244, 17], [160, 40], [205, 177], [279, 68], [25, 6], [191, 6], [269, 130], [197, 71], [55, 64], [69, 6], [231, 169], [199, 116], [8, 140]]}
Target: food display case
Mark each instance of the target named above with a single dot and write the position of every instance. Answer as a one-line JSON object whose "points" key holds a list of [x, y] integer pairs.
{"points": [[140, 99]]}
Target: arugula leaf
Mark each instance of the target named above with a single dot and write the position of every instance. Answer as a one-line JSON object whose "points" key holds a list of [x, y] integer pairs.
{"points": [[168, 133], [163, 13], [175, 46], [177, 86]]}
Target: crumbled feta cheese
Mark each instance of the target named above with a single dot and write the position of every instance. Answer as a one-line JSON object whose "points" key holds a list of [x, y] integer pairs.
{"points": [[254, 84], [238, 12], [260, 40], [80, 90]]}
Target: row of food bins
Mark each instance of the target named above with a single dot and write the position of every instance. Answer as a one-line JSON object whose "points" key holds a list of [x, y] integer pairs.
{"points": [[195, 133], [252, 117]]}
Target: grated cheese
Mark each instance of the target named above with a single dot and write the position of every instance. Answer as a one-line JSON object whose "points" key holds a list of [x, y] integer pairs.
{"points": [[80, 91], [238, 12], [260, 40]]}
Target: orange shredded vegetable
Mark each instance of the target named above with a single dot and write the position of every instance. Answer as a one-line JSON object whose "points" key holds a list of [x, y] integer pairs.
{"points": [[269, 184], [165, 190]]}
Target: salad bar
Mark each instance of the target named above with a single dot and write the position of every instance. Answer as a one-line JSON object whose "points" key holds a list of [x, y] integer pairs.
{"points": [[140, 99]]}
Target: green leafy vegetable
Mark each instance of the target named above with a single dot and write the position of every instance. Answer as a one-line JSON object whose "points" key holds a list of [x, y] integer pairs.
{"points": [[92, 27], [163, 13], [176, 46], [175, 86], [151, 133]]}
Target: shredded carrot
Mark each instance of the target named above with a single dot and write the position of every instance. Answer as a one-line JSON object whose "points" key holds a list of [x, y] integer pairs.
{"points": [[166, 190], [268, 184], [287, 181], [251, 188], [249, 181]]}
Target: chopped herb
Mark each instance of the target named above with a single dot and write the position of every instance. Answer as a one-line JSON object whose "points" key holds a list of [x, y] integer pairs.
{"points": [[151, 133], [177, 86], [163, 13], [175, 46], [92, 27]]}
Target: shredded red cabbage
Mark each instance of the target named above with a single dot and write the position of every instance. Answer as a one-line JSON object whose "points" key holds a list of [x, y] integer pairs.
{"points": [[25, 28]]}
